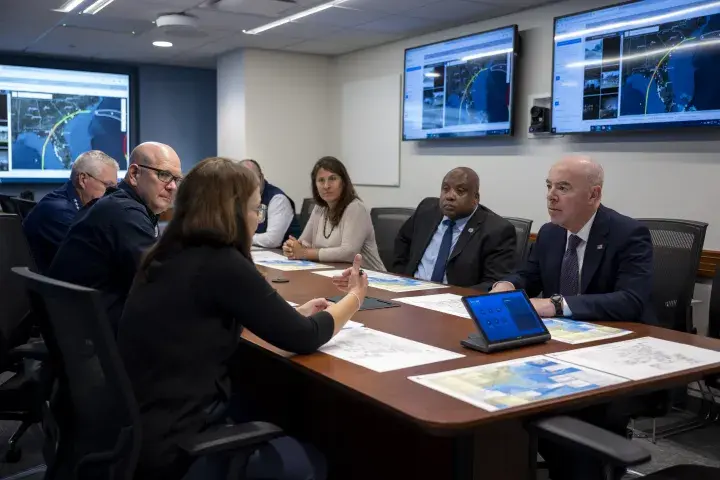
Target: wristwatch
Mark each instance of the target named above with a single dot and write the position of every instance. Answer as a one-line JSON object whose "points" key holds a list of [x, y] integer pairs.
{"points": [[557, 300]]}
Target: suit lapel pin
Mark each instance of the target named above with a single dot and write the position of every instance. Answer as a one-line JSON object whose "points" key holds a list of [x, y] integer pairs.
{"points": [[599, 247], [471, 230]]}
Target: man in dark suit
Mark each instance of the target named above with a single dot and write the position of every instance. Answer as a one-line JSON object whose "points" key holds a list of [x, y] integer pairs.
{"points": [[454, 239], [589, 263]]}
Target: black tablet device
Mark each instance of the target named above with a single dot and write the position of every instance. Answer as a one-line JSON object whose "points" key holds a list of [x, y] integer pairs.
{"points": [[504, 320]]}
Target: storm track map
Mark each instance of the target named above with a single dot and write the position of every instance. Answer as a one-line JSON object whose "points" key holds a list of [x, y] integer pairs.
{"points": [[477, 92], [681, 76], [49, 133]]}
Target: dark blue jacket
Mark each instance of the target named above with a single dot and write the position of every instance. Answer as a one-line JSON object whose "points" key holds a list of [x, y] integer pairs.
{"points": [[105, 244], [269, 192], [617, 272], [49, 221]]}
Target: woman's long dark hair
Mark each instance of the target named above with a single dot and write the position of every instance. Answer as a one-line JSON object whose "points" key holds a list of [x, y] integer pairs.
{"points": [[332, 164], [209, 208]]}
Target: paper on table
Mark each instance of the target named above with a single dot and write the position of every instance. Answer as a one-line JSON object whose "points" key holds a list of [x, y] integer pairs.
{"points": [[383, 352], [348, 325], [279, 262], [443, 302], [388, 282], [640, 358], [512, 383], [573, 332]]}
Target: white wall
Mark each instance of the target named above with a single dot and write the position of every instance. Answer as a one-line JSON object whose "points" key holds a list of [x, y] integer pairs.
{"points": [[672, 175], [274, 107]]}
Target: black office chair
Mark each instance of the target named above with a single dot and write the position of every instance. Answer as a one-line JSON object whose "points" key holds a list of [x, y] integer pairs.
{"points": [[387, 223], [677, 246], [307, 208], [522, 231], [94, 409], [7, 205], [23, 206], [21, 397], [611, 449]]}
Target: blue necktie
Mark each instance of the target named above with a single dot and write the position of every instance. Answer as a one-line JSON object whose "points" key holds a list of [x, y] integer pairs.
{"points": [[438, 274], [570, 274]]}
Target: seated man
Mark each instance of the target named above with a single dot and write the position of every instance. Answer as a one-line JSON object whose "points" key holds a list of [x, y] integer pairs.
{"points": [[103, 247], [280, 221], [454, 239], [47, 224], [589, 263]]}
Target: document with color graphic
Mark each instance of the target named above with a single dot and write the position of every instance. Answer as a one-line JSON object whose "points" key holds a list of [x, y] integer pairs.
{"points": [[279, 262], [391, 283]]}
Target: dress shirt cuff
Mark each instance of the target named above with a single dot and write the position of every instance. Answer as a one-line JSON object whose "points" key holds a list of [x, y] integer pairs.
{"points": [[566, 310]]}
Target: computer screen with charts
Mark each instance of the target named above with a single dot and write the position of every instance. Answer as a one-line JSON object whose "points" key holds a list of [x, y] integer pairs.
{"points": [[461, 87], [48, 117], [642, 65], [505, 316]]}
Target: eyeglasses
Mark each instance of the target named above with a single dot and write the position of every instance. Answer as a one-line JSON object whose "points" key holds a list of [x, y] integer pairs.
{"points": [[107, 184], [262, 213], [163, 175]]}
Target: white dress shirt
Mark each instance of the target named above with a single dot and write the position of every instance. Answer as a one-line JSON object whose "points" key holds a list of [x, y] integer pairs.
{"points": [[279, 217], [584, 234]]}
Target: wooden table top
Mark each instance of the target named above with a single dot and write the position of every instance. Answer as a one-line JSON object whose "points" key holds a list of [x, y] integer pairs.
{"points": [[435, 411]]}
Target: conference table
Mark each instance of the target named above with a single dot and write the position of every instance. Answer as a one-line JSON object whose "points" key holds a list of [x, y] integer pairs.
{"points": [[374, 425]]}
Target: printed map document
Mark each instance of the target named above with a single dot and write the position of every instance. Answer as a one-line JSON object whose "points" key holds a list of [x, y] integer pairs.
{"points": [[573, 332], [348, 325], [279, 262], [383, 352], [502, 385], [443, 302], [391, 283], [640, 358]]}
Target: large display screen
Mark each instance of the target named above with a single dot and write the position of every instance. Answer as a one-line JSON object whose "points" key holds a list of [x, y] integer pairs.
{"points": [[48, 117], [461, 87], [641, 65]]}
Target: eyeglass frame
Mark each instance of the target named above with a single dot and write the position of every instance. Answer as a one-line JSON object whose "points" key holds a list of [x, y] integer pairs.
{"points": [[262, 213], [114, 185], [158, 172]]}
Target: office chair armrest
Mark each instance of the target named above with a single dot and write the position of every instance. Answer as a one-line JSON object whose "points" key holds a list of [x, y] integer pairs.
{"points": [[575, 434], [33, 351], [231, 437]]}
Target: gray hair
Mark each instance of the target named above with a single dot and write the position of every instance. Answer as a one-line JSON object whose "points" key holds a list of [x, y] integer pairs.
{"points": [[91, 162], [595, 174]]}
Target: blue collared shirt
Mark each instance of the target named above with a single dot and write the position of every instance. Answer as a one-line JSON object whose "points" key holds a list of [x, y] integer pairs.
{"points": [[427, 263], [49, 221]]}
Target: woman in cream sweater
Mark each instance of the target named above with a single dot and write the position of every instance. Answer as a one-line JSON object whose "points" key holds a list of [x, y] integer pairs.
{"points": [[339, 227]]}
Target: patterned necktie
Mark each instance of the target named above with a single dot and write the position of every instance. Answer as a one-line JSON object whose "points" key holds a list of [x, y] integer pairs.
{"points": [[438, 274], [570, 274]]}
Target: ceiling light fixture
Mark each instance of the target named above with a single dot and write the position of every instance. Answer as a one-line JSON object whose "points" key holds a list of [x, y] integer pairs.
{"points": [[97, 6], [294, 17], [162, 44], [69, 6]]}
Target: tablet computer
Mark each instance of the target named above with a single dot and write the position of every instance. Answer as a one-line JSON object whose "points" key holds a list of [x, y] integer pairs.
{"points": [[504, 320]]}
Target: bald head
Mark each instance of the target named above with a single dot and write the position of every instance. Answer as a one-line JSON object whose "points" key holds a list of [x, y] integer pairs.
{"points": [[155, 174], [460, 193], [574, 191]]}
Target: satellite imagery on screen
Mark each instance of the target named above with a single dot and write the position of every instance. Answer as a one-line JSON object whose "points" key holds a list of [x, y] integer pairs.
{"points": [[679, 78], [49, 133]]}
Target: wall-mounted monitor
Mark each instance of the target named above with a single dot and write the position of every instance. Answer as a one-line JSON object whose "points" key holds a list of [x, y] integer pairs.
{"points": [[49, 116], [641, 65], [461, 87]]}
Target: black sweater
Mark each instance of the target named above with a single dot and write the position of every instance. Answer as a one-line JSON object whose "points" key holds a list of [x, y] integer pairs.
{"points": [[180, 327]]}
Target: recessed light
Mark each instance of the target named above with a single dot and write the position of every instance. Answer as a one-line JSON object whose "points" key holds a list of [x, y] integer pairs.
{"points": [[296, 16], [69, 6], [162, 44], [96, 6]]}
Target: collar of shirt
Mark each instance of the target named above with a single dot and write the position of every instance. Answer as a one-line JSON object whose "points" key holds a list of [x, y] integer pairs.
{"points": [[127, 188], [584, 232], [461, 222], [72, 195]]}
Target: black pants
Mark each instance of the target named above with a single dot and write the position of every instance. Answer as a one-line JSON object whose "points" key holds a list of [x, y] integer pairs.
{"points": [[567, 464]]}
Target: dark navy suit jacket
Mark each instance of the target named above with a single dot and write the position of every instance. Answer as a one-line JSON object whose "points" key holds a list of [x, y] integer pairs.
{"points": [[616, 277]]}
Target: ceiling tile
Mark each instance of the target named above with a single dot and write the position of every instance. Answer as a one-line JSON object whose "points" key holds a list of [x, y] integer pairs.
{"points": [[451, 10], [303, 30], [321, 47], [212, 19], [398, 24], [109, 24], [177, 5], [235, 41], [387, 6], [17, 32], [264, 8], [342, 17], [132, 11]]}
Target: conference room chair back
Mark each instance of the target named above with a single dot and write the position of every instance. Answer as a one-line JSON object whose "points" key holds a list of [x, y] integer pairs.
{"points": [[387, 223], [7, 205], [522, 231], [677, 246], [714, 324], [22, 206], [307, 208]]}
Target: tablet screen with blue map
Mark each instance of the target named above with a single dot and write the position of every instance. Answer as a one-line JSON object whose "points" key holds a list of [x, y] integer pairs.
{"points": [[642, 65], [49, 117], [504, 316]]}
